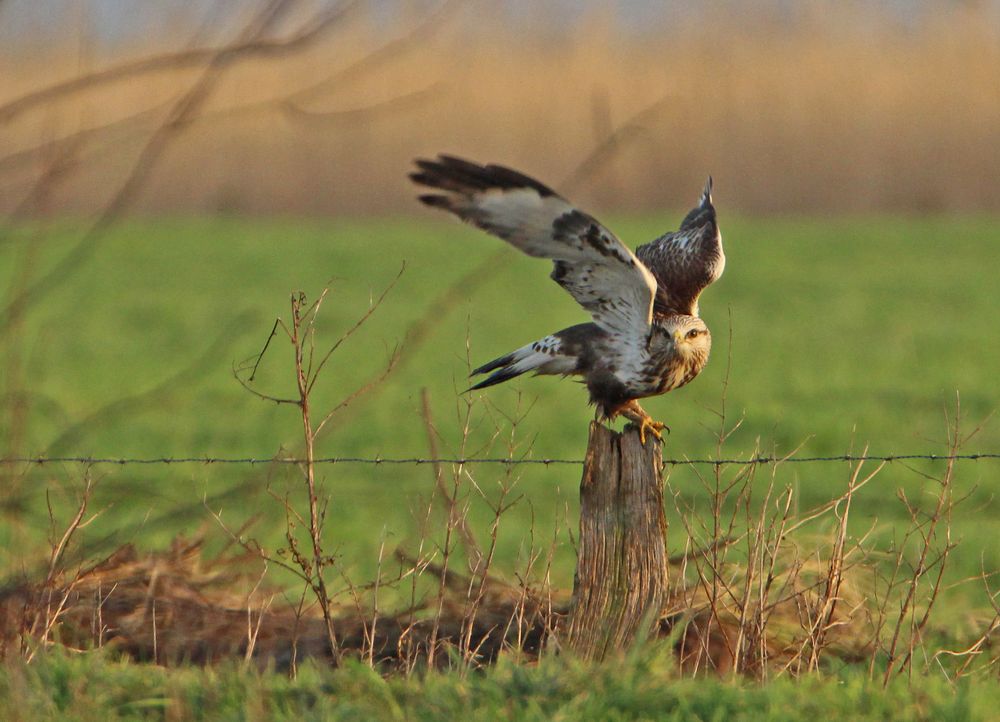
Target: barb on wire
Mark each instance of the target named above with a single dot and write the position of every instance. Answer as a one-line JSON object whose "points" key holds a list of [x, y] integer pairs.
{"points": [[377, 460]]}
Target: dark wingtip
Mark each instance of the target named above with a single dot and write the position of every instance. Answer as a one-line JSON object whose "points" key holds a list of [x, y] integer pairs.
{"points": [[420, 179], [435, 201], [432, 173], [504, 374], [426, 167], [447, 159], [458, 175], [493, 365]]}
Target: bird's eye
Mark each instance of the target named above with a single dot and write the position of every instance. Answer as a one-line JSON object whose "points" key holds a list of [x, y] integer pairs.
{"points": [[693, 333]]}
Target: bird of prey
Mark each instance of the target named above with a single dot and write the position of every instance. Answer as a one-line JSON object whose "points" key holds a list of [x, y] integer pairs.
{"points": [[646, 337]]}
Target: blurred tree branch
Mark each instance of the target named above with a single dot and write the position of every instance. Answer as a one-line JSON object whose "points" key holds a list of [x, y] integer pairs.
{"points": [[617, 137], [291, 103], [389, 51], [253, 40], [369, 112], [250, 43], [105, 131]]}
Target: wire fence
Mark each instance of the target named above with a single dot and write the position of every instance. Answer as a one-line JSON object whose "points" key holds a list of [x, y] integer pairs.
{"points": [[378, 460]]}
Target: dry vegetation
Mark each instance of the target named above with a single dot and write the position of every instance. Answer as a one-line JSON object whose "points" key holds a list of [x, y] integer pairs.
{"points": [[760, 587], [827, 107], [770, 600]]}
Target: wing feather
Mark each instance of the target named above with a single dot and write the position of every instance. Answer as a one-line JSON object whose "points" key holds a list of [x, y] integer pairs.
{"points": [[596, 268], [687, 260]]}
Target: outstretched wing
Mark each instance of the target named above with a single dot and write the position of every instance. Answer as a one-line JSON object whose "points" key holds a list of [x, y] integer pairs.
{"points": [[685, 261], [597, 269]]}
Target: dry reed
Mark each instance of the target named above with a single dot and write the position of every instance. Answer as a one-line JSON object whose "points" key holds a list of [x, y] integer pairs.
{"points": [[830, 107]]}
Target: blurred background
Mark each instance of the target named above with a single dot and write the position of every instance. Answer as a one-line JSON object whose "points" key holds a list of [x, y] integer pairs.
{"points": [[170, 171], [317, 107]]}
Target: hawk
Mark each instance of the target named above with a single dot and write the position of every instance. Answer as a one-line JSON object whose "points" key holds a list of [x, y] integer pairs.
{"points": [[646, 337]]}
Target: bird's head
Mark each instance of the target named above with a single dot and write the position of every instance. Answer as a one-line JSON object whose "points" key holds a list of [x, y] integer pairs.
{"points": [[688, 335]]}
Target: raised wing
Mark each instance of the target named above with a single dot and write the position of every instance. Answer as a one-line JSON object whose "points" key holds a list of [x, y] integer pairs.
{"points": [[686, 261], [597, 269]]}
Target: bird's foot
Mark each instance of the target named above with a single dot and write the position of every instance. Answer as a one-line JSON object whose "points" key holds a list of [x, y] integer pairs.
{"points": [[647, 424], [642, 421]]}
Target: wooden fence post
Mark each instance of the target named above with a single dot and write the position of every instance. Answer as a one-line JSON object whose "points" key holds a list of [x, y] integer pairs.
{"points": [[621, 568]]}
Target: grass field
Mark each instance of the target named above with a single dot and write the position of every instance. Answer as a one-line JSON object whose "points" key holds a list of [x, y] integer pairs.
{"points": [[96, 687], [845, 334]]}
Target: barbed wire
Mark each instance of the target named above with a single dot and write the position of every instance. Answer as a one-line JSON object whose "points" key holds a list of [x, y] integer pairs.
{"points": [[378, 460]]}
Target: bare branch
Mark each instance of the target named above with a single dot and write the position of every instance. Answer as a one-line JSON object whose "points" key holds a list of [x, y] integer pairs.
{"points": [[391, 50], [389, 107], [178, 117], [364, 388], [357, 324], [250, 44], [632, 128]]}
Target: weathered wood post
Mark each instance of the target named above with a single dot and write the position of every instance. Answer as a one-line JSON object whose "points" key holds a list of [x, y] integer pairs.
{"points": [[621, 568]]}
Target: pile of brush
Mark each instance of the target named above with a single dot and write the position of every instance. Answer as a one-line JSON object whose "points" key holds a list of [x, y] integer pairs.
{"points": [[177, 606]]}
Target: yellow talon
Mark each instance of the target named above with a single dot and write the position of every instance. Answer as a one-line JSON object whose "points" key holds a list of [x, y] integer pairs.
{"points": [[654, 426], [639, 418]]}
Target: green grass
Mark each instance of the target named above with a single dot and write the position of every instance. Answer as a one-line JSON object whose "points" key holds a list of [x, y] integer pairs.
{"points": [[845, 334], [96, 686]]}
